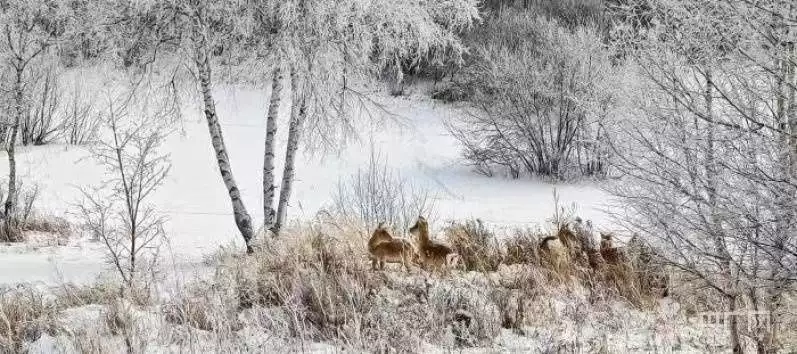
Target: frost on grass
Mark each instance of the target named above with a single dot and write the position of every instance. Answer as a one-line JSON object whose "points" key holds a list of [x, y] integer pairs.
{"points": [[32, 225], [314, 290]]}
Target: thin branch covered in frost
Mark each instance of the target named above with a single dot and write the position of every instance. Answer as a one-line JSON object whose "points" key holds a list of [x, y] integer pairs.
{"points": [[120, 213], [377, 193]]}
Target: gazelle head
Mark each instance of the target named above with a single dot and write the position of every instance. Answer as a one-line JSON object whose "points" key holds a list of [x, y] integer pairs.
{"points": [[420, 226]]}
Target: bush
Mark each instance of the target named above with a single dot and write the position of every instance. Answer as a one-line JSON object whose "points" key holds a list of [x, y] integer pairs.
{"points": [[42, 122], [571, 13], [205, 307], [476, 245], [539, 97], [27, 219], [24, 316], [377, 194], [82, 122], [103, 292]]}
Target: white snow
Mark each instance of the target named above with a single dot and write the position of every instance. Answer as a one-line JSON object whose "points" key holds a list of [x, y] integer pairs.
{"points": [[195, 201]]}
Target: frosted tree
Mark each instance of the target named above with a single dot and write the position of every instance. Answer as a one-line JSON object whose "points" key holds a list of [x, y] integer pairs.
{"points": [[30, 29], [706, 164], [331, 45], [119, 213], [295, 126], [540, 96], [321, 45], [200, 26]]}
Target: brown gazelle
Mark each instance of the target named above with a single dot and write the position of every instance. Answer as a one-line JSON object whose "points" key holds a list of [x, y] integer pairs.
{"points": [[610, 253], [382, 248], [554, 253], [432, 255]]}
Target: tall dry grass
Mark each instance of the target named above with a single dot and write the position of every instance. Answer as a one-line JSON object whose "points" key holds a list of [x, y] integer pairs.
{"points": [[314, 285], [25, 313]]}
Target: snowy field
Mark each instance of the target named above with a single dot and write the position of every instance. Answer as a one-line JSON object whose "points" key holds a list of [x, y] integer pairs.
{"points": [[414, 141]]}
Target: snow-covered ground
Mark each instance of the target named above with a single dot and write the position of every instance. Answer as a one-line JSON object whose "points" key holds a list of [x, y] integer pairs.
{"points": [[415, 142]]}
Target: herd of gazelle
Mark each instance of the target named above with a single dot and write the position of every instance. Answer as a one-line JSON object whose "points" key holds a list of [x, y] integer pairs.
{"points": [[559, 250], [384, 248]]}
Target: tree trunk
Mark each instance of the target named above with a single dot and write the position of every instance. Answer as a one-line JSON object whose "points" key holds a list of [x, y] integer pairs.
{"points": [[736, 343], [298, 114], [396, 79], [268, 155], [242, 219], [10, 223], [712, 183]]}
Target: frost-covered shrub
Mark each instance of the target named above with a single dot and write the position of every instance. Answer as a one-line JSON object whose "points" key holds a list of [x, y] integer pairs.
{"points": [[539, 96], [377, 193], [205, 307], [42, 122], [571, 13]]}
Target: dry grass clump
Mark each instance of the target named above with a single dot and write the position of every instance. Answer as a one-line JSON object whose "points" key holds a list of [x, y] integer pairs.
{"points": [[334, 305], [318, 283], [47, 224], [120, 319], [10, 232], [314, 284], [57, 229], [476, 245], [522, 247], [26, 219], [513, 289], [87, 342], [469, 312], [327, 254], [622, 281], [638, 280], [266, 288], [25, 314], [204, 306], [317, 278], [102, 292]]}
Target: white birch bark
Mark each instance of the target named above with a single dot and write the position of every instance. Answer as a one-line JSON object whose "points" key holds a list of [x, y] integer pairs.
{"points": [[268, 156], [298, 114], [242, 219], [11, 199]]}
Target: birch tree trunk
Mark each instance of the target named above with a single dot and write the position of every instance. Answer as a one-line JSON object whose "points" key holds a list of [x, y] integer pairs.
{"points": [[242, 219], [268, 155], [298, 114], [11, 200]]}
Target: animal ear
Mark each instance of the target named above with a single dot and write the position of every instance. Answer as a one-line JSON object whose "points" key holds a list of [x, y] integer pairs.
{"points": [[421, 218]]}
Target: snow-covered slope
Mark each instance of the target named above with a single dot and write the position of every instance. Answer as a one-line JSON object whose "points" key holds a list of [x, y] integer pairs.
{"points": [[415, 141]]}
